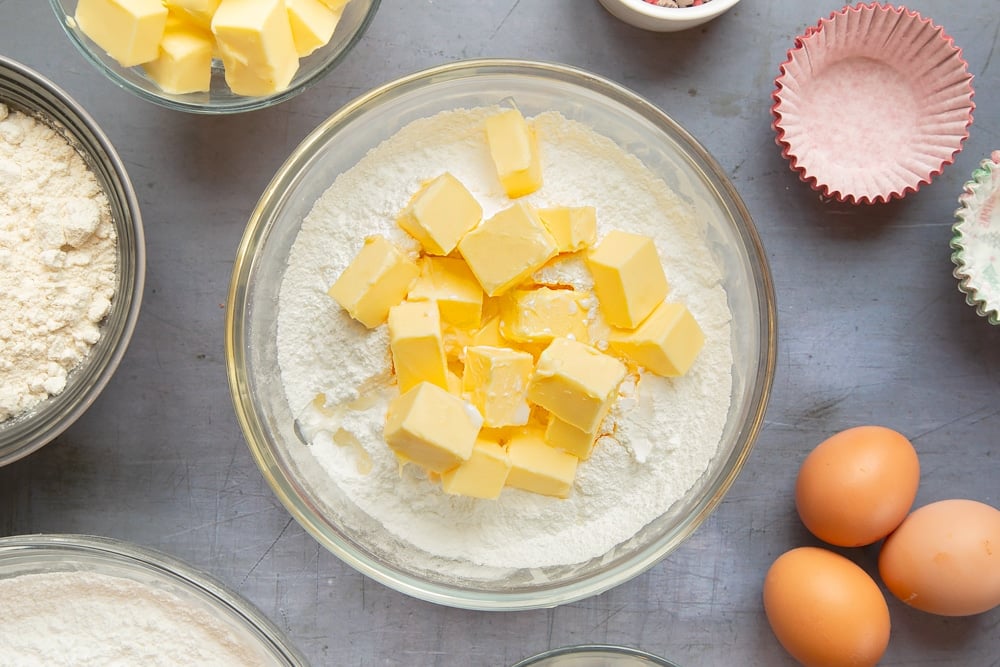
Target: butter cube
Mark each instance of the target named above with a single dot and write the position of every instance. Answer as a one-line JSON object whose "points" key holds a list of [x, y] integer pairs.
{"points": [[563, 435], [666, 343], [482, 476], [335, 5], [539, 315], [573, 227], [184, 64], [576, 383], [440, 214], [377, 279], [313, 24], [496, 381], [431, 427], [536, 467], [415, 342], [628, 278], [256, 44], [507, 248], [129, 30], [489, 334], [197, 11], [450, 282], [514, 149]]}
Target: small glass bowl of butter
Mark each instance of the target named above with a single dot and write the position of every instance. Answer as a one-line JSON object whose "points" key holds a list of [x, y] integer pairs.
{"points": [[174, 57]]}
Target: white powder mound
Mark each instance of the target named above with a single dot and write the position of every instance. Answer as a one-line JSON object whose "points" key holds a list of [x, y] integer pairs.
{"points": [[85, 619], [57, 261], [662, 433]]}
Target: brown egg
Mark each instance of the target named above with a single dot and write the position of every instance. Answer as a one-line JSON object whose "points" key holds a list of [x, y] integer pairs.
{"points": [[945, 558], [855, 487], [825, 610]]}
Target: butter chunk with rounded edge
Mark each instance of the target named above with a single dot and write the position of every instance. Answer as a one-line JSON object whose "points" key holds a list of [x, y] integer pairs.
{"points": [[431, 427], [628, 277], [514, 149], [482, 476], [539, 315], [128, 30], [573, 227], [256, 44], [536, 467], [563, 435], [450, 282], [377, 279], [416, 344], [313, 24], [666, 343], [507, 248], [440, 214], [576, 383], [184, 64], [495, 380]]}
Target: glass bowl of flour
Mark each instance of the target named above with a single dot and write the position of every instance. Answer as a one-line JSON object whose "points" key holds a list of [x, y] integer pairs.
{"points": [[675, 445], [82, 600], [72, 260]]}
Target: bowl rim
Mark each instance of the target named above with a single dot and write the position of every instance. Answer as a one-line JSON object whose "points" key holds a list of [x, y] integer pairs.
{"points": [[36, 437], [163, 566], [252, 426], [241, 104], [677, 14], [595, 650]]}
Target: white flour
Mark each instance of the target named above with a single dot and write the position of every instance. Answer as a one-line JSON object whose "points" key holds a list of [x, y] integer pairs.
{"points": [[84, 619], [57, 261], [663, 433]]}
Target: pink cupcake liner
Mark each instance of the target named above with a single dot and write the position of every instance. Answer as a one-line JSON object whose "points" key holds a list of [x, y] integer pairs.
{"points": [[872, 103]]}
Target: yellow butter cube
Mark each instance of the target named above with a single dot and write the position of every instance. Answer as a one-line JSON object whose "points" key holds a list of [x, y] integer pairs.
{"points": [[416, 345], [431, 427], [507, 248], [451, 283], [576, 383], [198, 12], [573, 227], [496, 381], [482, 476], [536, 467], [628, 278], [335, 5], [514, 149], [440, 214], [489, 334], [377, 279], [129, 30], [454, 383], [539, 315], [312, 23], [563, 435], [666, 343], [184, 64], [256, 44]]}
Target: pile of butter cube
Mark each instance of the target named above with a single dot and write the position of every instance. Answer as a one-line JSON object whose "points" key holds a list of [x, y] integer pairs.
{"points": [[259, 42], [499, 384]]}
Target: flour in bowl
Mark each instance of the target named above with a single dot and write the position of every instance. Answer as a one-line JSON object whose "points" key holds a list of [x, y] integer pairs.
{"points": [[663, 433]]}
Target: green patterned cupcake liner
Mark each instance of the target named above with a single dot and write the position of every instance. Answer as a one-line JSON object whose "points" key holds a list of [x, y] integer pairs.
{"points": [[976, 240]]}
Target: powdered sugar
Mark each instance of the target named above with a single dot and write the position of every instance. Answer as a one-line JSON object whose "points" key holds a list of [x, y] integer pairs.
{"points": [[87, 619], [658, 441], [57, 261]]}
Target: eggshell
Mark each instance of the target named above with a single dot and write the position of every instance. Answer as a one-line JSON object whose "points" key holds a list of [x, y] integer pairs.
{"points": [[855, 487], [825, 610], [945, 558]]}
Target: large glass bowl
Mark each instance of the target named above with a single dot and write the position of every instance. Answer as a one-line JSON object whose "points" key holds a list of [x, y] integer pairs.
{"points": [[29, 92], [335, 146], [219, 99], [160, 573], [595, 655]]}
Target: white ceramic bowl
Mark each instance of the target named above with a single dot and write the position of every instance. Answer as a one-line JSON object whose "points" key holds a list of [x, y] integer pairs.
{"points": [[648, 16]]}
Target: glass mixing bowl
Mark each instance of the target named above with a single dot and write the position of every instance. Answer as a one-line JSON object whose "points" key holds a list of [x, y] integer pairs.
{"points": [[49, 554], [219, 99], [335, 146], [29, 92], [595, 655]]}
